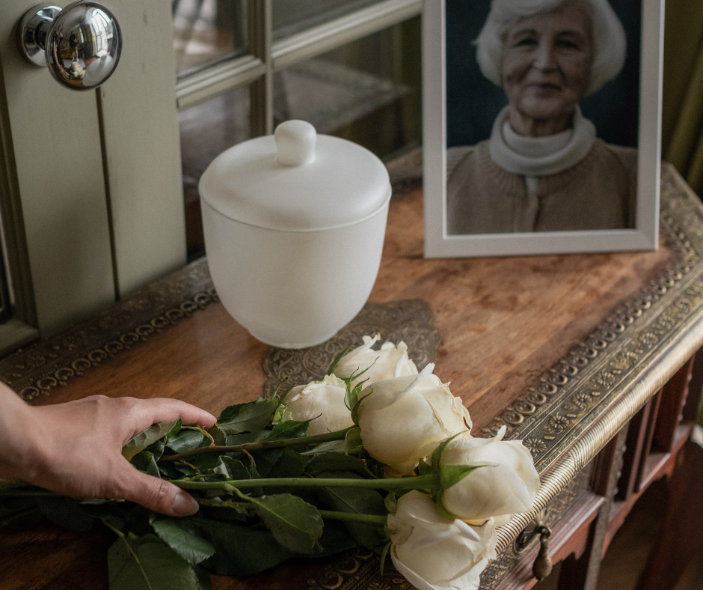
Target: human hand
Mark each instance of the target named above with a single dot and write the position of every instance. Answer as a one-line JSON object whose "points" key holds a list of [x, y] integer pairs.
{"points": [[75, 448]]}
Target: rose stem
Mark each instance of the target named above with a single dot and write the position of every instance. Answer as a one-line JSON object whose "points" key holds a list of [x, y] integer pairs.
{"points": [[352, 517], [331, 514], [422, 482], [262, 444]]}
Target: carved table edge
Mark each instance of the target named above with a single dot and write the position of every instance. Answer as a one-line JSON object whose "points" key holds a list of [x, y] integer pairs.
{"points": [[608, 424], [650, 373], [52, 362]]}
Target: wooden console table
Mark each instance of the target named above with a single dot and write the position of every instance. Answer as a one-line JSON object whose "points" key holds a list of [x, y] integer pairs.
{"points": [[579, 356]]}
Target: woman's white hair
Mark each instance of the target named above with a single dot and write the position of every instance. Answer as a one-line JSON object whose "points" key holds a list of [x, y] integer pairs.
{"points": [[609, 41]]}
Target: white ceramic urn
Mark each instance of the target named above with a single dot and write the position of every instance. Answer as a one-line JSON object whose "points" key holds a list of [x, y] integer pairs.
{"points": [[294, 226]]}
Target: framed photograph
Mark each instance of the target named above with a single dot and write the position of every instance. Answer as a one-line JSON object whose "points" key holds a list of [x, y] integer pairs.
{"points": [[541, 126]]}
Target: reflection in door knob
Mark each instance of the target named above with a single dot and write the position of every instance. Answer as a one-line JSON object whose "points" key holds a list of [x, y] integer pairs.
{"points": [[81, 44]]}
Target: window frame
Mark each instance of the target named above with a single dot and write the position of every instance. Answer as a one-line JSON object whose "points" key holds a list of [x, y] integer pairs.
{"points": [[266, 57]]}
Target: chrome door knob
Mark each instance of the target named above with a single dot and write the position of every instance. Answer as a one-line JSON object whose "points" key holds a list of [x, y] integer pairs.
{"points": [[81, 44]]}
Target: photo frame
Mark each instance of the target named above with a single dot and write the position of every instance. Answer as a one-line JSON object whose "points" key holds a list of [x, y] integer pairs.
{"points": [[638, 120]]}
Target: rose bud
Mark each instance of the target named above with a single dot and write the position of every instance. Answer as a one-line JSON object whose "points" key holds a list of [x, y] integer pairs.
{"points": [[434, 553], [506, 483], [390, 361], [322, 402], [403, 419]]}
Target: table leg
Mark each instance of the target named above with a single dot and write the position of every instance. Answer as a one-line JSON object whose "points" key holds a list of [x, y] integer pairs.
{"points": [[682, 533]]}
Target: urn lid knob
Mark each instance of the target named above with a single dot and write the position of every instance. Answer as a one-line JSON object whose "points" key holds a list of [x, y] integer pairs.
{"points": [[296, 180], [295, 142]]}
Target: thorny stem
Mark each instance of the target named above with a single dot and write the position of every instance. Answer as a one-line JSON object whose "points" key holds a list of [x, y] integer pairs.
{"points": [[262, 444], [422, 482]]}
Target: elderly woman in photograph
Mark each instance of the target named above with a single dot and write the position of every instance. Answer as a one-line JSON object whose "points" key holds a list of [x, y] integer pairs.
{"points": [[543, 168]]}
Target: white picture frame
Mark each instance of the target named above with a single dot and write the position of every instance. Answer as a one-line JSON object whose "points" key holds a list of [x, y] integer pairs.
{"points": [[642, 237]]}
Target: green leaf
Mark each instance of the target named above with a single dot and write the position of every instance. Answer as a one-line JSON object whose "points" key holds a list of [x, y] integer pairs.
{"points": [[439, 451], [190, 547], [185, 470], [353, 443], [289, 464], [335, 539], [169, 471], [8, 484], [231, 468], [332, 446], [334, 462], [185, 440], [294, 523], [203, 578], [336, 360], [391, 502], [246, 437], [289, 429], [19, 513], [145, 461], [278, 414], [357, 407], [357, 501], [114, 512], [284, 394], [351, 395], [450, 475], [65, 512], [156, 449], [266, 459], [176, 428], [439, 506], [239, 550], [424, 468], [247, 417], [384, 554], [205, 462], [144, 439], [150, 565], [217, 435]]}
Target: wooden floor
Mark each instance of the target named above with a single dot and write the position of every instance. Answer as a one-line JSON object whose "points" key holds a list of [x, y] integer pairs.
{"points": [[628, 553]]}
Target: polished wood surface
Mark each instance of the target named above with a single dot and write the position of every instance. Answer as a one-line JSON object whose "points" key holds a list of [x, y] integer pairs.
{"points": [[503, 321]]}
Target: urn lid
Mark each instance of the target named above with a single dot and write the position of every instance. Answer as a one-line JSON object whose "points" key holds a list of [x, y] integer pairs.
{"points": [[296, 180]]}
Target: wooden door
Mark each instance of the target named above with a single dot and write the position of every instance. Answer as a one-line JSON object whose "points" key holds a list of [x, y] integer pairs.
{"points": [[90, 183]]}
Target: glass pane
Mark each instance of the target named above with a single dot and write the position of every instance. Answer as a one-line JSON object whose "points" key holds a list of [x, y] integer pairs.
{"points": [[293, 16], [206, 131], [207, 31], [367, 91]]}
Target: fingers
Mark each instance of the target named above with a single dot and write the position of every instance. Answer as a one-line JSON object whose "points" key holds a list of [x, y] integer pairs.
{"points": [[154, 493], [152, 411]]}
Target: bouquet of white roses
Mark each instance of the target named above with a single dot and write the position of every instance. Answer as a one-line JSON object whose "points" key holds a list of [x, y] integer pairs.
{"points": [[376, 454]]}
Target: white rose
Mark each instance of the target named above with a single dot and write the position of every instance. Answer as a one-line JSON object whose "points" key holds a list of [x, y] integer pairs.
{"points": [[434, 553], [403, 419], [507, 483], [322, 402], [390, 361]]}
